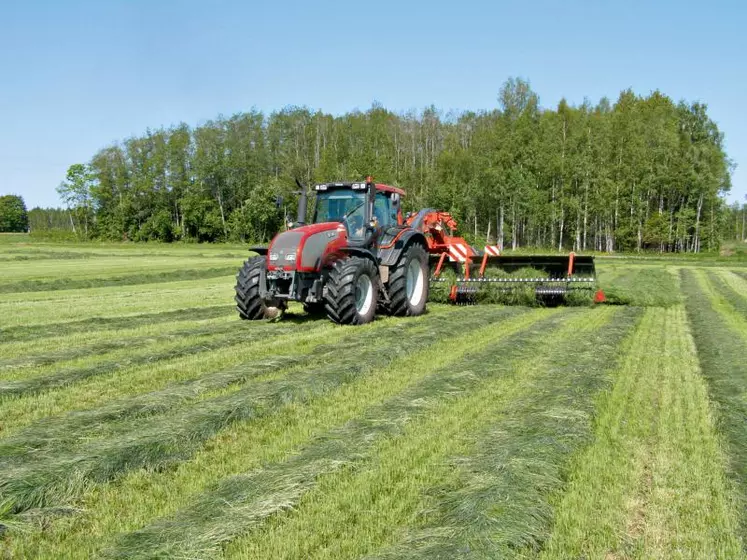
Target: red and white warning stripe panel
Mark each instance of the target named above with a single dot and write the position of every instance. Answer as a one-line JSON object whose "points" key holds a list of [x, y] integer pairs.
{"points": [[459, 252], [493, 250]]}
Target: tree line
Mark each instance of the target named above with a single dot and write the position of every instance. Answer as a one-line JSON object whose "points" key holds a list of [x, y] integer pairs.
{"points": [[644, 172]]}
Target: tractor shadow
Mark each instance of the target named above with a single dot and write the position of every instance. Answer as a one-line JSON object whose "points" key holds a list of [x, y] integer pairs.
{"points": [[298, 318]]}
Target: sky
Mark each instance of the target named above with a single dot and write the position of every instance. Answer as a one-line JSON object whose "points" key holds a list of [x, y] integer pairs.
{"points": [[76, 76]]}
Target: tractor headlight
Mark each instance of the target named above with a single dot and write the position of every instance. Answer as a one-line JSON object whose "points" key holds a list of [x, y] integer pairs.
{"points": [[273, 256], [290, 257]]}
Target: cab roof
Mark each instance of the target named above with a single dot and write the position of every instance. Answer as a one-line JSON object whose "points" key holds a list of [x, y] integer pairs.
{"points": [[358, 185]]}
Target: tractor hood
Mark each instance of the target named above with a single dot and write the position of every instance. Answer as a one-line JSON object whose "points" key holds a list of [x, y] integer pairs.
{"points": [[306, 248]]}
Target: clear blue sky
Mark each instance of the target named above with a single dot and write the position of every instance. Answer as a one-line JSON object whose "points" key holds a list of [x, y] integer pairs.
{"points": [[78, 75]]}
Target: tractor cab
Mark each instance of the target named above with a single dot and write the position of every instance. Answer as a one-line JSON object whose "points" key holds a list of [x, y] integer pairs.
{"points": [[363, 208]]}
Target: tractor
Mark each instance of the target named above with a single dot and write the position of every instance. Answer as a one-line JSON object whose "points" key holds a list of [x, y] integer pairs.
{"points": [[357, 257], [360, 256]]}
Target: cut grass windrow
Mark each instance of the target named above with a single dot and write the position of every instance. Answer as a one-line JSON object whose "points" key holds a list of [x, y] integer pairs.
{"points": [[125, 280], [19, 358], [497, 501], [44, 308], [720, 336], [731, 288], [56, 433], [631, 494], [176, 437], [243, 502], [142, 495], [30, 363], [12, 334], [644, 286], [106, 267], [196, 342], [100, 390]]}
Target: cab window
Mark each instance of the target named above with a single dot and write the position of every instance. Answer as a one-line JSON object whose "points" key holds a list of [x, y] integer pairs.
{"points": [[384, 210]]}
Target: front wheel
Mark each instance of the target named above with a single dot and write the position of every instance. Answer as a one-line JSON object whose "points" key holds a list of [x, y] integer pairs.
{"points": [[248, 302], [352, 291], [408, 283]]}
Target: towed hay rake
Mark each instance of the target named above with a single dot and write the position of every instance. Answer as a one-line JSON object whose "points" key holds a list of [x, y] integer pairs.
{"points": [[471, 275], [359, 256]]}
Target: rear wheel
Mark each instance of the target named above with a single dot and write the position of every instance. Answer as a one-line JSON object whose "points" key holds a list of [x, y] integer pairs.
{"points": [[248, 303], [408, 283], [352, 291]]}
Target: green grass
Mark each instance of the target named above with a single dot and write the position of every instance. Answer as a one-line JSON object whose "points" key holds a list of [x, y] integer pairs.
{"points": [[720, 334], [139, 417], [653, 484], [340, 449], [101, 326], [651, 286], [495, 500], [125, 280]]}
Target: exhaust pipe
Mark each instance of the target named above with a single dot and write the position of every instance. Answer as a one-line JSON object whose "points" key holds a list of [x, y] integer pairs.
{"points": [[302, 204]]}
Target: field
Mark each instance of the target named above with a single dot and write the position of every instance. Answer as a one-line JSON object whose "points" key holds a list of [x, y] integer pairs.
{"points": [[140, 418]]}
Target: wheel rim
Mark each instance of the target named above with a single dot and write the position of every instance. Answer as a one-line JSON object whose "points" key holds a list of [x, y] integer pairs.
{"points": [[363, 294], [414, 282]]}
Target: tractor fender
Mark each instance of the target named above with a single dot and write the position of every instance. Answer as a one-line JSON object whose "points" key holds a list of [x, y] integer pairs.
{"points": [[389, 255], [259, 249], [360, 252]]}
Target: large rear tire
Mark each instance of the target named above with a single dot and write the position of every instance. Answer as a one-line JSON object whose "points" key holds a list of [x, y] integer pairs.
{"points": [[408, 283], [248, 303], [352, 291]]}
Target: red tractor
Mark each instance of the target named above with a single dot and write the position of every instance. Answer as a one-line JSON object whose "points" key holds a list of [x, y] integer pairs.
{"points": [[356, 257], [360, 255]]}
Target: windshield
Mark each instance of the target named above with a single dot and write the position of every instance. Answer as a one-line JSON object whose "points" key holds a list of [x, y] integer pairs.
{"points": [[344, 206], [333, 206]]}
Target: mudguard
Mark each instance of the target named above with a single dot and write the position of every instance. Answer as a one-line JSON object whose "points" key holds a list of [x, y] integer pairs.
{"points": [[395, 243], [260, 250], [359, 252]]}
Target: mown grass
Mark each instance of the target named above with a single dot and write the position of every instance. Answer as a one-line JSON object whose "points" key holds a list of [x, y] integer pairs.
{"points": [[653, 483], [355, 511], [102, 268], [188, 362], [720, 334], [36, 353], [97, 326], [43, 308], [136, 421], [247, 444], [731, 288], [243, 501], [69, 365], [125, 280], [41, 483], [60, 432], [648, 286]]}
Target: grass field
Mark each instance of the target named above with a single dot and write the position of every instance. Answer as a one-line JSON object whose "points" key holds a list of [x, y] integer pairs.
{"points": [[140, 418]]}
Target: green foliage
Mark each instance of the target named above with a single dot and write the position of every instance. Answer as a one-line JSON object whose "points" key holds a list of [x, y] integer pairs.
{"points": [[158, 227], [640, 173], [13, 215], [77, 192]]}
